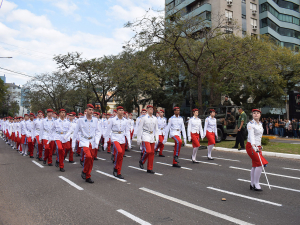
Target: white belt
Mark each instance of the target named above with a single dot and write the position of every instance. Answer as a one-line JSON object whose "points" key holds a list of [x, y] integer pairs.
{"points": [[148, 131], [161, 128], [177, 129], [89, 138], [37, 129], [61, 132]]}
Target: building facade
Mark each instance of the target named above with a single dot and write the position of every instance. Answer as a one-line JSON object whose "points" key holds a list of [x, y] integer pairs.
{"points": [[243, 13], [281, 21]]}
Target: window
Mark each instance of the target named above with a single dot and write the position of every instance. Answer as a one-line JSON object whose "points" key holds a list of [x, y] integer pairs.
{"points": [[170, 6], [252, 6], [244, 33], [287, 5], [253, 22], [177, 2], [243, 1], [228, 14]]}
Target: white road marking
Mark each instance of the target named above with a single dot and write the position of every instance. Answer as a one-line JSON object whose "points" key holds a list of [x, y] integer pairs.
{"points": [[111, 176], [199, 161], [168, 151], [233, 160], [185, 168], [196, 207], [159, 174], [136, 151], [244, 196], [36, 163], [72, 163], [71, 183], [134, 218], [101, 158], [274, 174], [127, 156], [290, 169], [289, 189]]}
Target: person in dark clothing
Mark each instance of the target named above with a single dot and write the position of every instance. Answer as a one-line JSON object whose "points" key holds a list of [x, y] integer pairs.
{"points": [[242, 123]]}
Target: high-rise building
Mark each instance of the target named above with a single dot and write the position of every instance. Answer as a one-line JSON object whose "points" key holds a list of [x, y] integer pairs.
{"points": [[281, 21], [3, 78], [245, 14]]}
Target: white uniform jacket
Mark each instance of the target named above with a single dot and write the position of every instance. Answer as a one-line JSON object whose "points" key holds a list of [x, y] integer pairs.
{"points": [[47, 129], [61, 129], [117, 129], [255, 132], [210, 126], [176, 127], [72, 127], [37, 127], [147, 129], [29, 129], [162, 124], [195, 126], [89, 133]]}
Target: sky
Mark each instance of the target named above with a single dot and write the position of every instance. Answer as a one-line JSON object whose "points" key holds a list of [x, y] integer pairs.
{"points": [[33, 31]]}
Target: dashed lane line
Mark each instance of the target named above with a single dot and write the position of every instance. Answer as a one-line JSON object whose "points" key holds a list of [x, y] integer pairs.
{"points": [[196, 207], [111, 176], [36, 163], [133, 167], [71, 183], [185, 168], [133, 217], [244, 196]]}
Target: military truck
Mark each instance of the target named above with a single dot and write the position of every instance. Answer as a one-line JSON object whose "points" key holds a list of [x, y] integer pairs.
{"points": [[227, 117]]}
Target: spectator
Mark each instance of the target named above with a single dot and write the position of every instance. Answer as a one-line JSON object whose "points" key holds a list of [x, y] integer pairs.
{"points": [[294, 128], [276, 127], [281, 128], [271, 127], [264, 122], [267, 126], [287, 128]]}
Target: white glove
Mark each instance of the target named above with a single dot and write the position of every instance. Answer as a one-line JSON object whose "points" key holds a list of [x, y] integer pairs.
{"points": [[129, 146], [73, 149], [165, 140], [201, 139], [184, 141], [105, 145], [48, 142], [138, 143], [189, 139], [65, 137]]}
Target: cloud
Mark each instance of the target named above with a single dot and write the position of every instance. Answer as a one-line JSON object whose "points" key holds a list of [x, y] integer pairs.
{"points": [[68, 7], [94, 21]]}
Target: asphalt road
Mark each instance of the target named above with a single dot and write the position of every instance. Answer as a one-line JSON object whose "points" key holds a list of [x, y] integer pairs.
{"points": [[36, 194]]}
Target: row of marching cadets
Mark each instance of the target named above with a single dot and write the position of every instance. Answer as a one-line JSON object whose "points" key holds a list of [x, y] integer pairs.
{"points": [[67, 134]]}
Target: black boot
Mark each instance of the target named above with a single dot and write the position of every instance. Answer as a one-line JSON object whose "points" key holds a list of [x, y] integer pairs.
{"points": [[150, 171], [89, 180], [141, 164], [83, 175], [176, 165]]}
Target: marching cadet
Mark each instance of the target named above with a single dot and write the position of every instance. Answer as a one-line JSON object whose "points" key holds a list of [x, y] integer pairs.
{"points": [[89, 138], [162, 124], [176, 127], [61, 128], [36, 129], [107, 141], [253, 148], [68, 137], [131, 126], [143, 113], [194, 132], [29, 135], [24, 142], [47, 131], [117, 129], [210, 131], [19, 148], [101, 128], [13, 132], [147, 134]]}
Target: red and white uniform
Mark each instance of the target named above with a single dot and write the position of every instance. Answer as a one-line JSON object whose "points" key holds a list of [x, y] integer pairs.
{"points": [[176, 128], [61, 129], [68, 138], [194, 131], [29, 136], [210, 131], [88, 140], [46, 134], [117, 130], [162, 124], [36, 130], [147, 134]]}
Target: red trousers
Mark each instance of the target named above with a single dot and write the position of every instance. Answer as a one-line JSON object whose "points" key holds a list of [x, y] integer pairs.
{"points": [[30, 146], [48, 150], [40, 146], [148, 153], [108, 146], [119, 150], [88, 160], [60, 154], [126, 143], [78, 151], [178, 143], [69, 150], [131, 134], [160, 146]]}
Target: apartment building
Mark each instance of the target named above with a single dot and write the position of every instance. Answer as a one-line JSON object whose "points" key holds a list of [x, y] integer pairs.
{"points": [[243, 13]]}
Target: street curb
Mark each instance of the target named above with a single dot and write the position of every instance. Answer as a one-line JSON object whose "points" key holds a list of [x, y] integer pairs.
{"points": [[274, 154]]}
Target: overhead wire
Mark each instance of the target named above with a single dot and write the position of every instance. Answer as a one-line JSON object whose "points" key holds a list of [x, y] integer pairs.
{"points": [[16, 72]]}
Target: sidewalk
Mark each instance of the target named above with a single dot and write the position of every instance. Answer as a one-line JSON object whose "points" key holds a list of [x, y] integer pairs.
{"points": [[274, 154]]}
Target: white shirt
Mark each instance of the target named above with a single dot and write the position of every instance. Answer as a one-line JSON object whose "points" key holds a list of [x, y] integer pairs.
{"points": [[130, 123], [47, 129], [195, 126], [72, 127], [176, 127], [28, 128], [147, 129], [37, 127], [61, 128], [210, 125], [162, 124], [117, 129], [23, 127], [90, 134], [255, 132], [137, 125]]}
